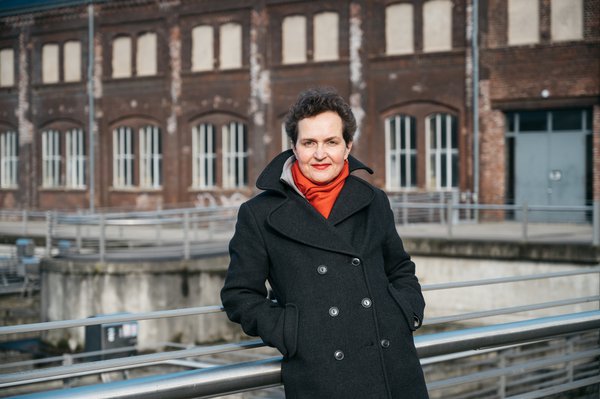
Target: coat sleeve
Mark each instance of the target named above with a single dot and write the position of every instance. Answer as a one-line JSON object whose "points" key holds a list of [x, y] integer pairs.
{"points": [[400, 270], [244, 294]]}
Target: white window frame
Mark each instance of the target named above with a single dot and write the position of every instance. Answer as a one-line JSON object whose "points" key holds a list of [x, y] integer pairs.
{"points": [[399, 36], [50, 63], [150, 157], [203, 156], [146, 54], [434, 155], [230, 46], [75, 159], [393, 156], [51, 159], [202, 48], [123, 157], [72, 61], [326, 36], [9, 159], [121, 57], [293, 39], [234, 156], [434, 39]]}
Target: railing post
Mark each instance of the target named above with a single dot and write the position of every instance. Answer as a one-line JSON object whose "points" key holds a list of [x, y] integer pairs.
{"points": [[525, 220], [186, 234], [502, 379], [102, 243], [449, 209], [596, 223], [49, 229], [78, 230]]}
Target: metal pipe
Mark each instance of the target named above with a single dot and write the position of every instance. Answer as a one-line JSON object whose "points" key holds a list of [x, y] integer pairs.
{"points": [[91, 60], [475, 82], [218, 381]]}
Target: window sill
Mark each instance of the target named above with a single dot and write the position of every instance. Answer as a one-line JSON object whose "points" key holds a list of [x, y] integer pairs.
{"points": [[135, 189], [63, 189]]}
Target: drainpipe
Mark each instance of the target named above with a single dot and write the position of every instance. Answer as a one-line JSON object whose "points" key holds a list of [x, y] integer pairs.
{"points": [[475, 61], [91, 102]]}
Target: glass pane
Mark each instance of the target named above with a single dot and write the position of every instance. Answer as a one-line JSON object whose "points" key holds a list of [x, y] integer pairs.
{"points": [[413, 170], [413, 133], [510, 121], [454, 170], [533, 121], [392, 133], [588, 119], [443, 126], [403, 133], [567, 119], [454, 133], [402, 171], [443, 170]]}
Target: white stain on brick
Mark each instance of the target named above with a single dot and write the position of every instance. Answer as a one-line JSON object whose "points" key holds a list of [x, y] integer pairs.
{"points": [[260, 79], [25, 125], [356, 78], [175, 58]]}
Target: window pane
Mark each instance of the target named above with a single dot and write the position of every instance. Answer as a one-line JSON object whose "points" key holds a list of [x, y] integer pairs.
{"points": [[510, 121], [399, 29], [202, 48], [533, 121], [50, 63], [523, 21], [72, 61], [146, 54], [230, 49], [9, 159], [437, 25], [567, 19], [413, 133], [326, 36], [567, 119], [7, 67], [121, 61], [294, 40]]}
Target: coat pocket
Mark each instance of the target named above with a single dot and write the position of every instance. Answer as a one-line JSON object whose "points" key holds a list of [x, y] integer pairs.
{"points": [[404, 306], [290, 329]]}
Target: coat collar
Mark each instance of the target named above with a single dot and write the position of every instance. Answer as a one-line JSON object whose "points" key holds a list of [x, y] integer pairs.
{"points": [[297, 219]]}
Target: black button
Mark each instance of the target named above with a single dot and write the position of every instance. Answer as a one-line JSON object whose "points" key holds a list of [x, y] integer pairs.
{"points": [[339, 355], [366, 302], [333, 311], [385, 343], [355, 262], [322, 269]]}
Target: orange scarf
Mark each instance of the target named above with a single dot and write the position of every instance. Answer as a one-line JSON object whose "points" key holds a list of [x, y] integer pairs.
{"points": [[321, 196]]}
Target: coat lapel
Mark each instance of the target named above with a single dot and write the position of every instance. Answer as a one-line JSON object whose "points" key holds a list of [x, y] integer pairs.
{"points": [[296, 219]]}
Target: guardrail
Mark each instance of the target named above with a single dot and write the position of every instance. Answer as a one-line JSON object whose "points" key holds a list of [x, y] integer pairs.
{"points": [[434, 349]]}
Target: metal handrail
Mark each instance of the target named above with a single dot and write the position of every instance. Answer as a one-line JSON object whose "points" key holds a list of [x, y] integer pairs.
{"points": [[221, 380]]}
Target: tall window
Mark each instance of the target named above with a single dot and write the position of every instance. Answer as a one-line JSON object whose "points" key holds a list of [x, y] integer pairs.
{"points": [[567, 19], [230, 46], [437, 25], [401, 152], [235, 155], [72, 61], [204, 156], [150, 157], [202, 48], [326, 37], [75, 159], [294, 39], [399, 29], [523, 21], [7, 67], [50, 68], [51, 159], [145, 61], [121, 57], [442, 151], [123, 157], [9, 159]]}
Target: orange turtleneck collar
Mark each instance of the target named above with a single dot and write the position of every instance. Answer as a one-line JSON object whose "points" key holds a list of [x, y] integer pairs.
{"points": [[320, 196]]}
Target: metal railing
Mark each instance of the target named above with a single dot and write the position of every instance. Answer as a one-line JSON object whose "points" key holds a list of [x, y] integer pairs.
{"points": [[434, 349]]}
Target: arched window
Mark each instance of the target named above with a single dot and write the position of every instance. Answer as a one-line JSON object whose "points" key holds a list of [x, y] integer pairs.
{"points": [[143, 161], [235, 155], [399, 29], [441, 133], [75, 159], [204, 156], [9, 159], [401, 152], [51, 159]]}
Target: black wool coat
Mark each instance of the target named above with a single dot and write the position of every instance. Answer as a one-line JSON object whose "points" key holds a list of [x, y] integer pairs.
{"points": [[345, 297]]}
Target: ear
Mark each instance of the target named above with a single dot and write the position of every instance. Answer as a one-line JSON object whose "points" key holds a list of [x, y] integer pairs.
{"points": [[348, 149]]}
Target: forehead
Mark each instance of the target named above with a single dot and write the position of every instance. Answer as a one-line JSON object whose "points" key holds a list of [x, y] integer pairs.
{"points": [[324, 125]]}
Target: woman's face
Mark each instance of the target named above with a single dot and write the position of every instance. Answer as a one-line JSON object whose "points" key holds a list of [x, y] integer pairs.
{"points": [[320, 148]]}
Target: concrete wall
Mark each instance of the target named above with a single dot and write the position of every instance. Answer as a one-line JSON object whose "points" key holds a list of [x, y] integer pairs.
{"points": [[73, 290]]}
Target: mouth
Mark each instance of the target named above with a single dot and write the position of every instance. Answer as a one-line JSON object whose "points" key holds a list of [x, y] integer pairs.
{"points": [[320, 166]]}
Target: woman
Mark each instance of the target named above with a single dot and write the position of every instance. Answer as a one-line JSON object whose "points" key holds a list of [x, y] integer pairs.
{"points": [[345, 296]]}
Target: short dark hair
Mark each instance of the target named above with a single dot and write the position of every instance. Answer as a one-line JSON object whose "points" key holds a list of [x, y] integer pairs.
{"points": [[315, 101]]}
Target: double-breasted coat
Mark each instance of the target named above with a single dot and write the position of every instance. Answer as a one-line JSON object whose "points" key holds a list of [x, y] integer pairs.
{"points": [[345, 297]]}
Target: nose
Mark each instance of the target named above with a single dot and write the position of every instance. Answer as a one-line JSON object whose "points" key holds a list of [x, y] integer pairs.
{"points": [[320, 152]]}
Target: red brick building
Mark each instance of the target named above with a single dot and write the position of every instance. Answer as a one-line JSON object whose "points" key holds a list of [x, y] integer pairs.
{"points": [[189, 97]]}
